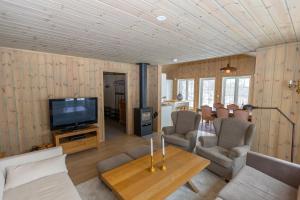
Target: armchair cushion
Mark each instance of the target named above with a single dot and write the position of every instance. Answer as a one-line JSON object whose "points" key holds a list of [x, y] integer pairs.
{"points": [[217, 125], [216, 154], [177, 139], [185, 121], [239, 151], [208, 141], [250, 133], [191, 135], [168, 130], [232, 133], [192, 138]]}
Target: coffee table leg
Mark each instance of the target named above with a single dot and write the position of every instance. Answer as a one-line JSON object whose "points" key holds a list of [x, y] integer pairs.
{"points": [[192, 186]]}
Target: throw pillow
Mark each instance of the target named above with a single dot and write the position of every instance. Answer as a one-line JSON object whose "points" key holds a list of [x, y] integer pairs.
{"points": [[25, 173]]}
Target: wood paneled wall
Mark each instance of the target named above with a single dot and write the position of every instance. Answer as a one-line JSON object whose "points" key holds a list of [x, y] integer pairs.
{"points": [[210, 68], [28, 79], [153, 93], [275, 66]]}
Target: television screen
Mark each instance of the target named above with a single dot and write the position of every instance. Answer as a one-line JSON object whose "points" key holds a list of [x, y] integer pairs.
{"points": [[72, 112]]}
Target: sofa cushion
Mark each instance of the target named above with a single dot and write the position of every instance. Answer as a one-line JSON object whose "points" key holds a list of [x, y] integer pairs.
{"points": [[216, 154], [113, 162], [29, 157], [138, 152], [177, 139], [185, 121], [252, 184], [58, 186], [232, 133], [2, 182], [21, 174]]}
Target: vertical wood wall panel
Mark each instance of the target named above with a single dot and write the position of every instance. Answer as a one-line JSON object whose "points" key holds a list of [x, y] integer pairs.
{"points": [[258, 96], [275, 66], [28, 79], [266, 100], [153, 93]]}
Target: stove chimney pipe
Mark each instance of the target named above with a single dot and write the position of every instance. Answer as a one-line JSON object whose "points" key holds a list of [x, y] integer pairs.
{"points": [[143, 84]]}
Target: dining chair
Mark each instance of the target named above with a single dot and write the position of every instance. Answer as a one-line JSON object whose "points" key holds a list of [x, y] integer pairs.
{"points": [[207, 114], [232, 107], [222, 113], [218, 105], [241, 114]]}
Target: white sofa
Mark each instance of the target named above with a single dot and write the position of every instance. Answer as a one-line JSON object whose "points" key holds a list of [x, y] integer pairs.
{"points": [[46, 183]]}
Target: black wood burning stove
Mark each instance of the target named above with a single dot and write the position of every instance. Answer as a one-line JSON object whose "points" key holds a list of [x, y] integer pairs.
{"points": [[143, 121]]}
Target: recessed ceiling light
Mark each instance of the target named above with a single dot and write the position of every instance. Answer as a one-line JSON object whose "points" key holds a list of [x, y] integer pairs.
{"points": [[161, 18], [175, 60]]}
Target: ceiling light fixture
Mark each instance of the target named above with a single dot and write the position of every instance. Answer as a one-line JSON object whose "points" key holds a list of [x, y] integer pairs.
{"points": [[161, 18], [228, 69]]}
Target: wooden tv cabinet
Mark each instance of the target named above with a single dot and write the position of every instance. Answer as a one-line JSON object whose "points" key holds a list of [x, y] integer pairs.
{"points": [[77, 140]]}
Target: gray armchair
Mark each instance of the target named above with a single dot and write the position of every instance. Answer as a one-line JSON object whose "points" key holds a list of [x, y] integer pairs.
{"points": [[228, 149], [184, 131]]}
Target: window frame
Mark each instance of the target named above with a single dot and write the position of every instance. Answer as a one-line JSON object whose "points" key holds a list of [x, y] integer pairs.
{"points": [[201, 88], [186, 89], [236, 87]]}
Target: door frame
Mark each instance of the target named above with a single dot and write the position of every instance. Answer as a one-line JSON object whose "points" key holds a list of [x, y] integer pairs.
{"points": [[127, 99]]}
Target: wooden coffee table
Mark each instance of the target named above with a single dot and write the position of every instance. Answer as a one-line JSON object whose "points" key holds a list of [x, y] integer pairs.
{"points": [[134, 181], [2, 154]]}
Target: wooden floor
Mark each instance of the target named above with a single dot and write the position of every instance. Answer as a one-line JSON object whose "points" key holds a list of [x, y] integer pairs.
{"points": [[82, 166]]}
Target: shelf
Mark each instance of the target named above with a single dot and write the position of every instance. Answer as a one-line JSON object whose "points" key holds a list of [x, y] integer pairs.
{"points": [[87, 138]]}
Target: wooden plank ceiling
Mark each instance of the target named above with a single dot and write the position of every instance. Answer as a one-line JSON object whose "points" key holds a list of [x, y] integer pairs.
{"points": [[128, 31]]}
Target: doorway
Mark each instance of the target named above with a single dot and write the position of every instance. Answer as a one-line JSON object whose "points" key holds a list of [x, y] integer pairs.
{"points": [[114, 104]]}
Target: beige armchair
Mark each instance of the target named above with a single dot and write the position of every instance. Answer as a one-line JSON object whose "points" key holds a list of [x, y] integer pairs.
{"points": [[228, 149], [184, 131]]}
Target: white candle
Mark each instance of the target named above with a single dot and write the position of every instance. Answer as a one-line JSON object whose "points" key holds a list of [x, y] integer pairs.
{"points": [[163, 146], [151, 146]]}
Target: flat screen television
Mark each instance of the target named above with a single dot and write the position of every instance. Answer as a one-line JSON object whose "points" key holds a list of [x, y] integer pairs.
{"points": [[72, 113]]}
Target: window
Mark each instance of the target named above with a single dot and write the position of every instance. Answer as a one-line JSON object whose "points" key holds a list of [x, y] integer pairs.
{"points": [[166, 87], [243, 90], [207, 91], [228, 91], [236, 90], [169, 89], [186, 88]]}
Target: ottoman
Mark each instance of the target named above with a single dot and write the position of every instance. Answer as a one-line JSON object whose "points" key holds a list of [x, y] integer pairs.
{"points": [[139, 151], [112, 162]]}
